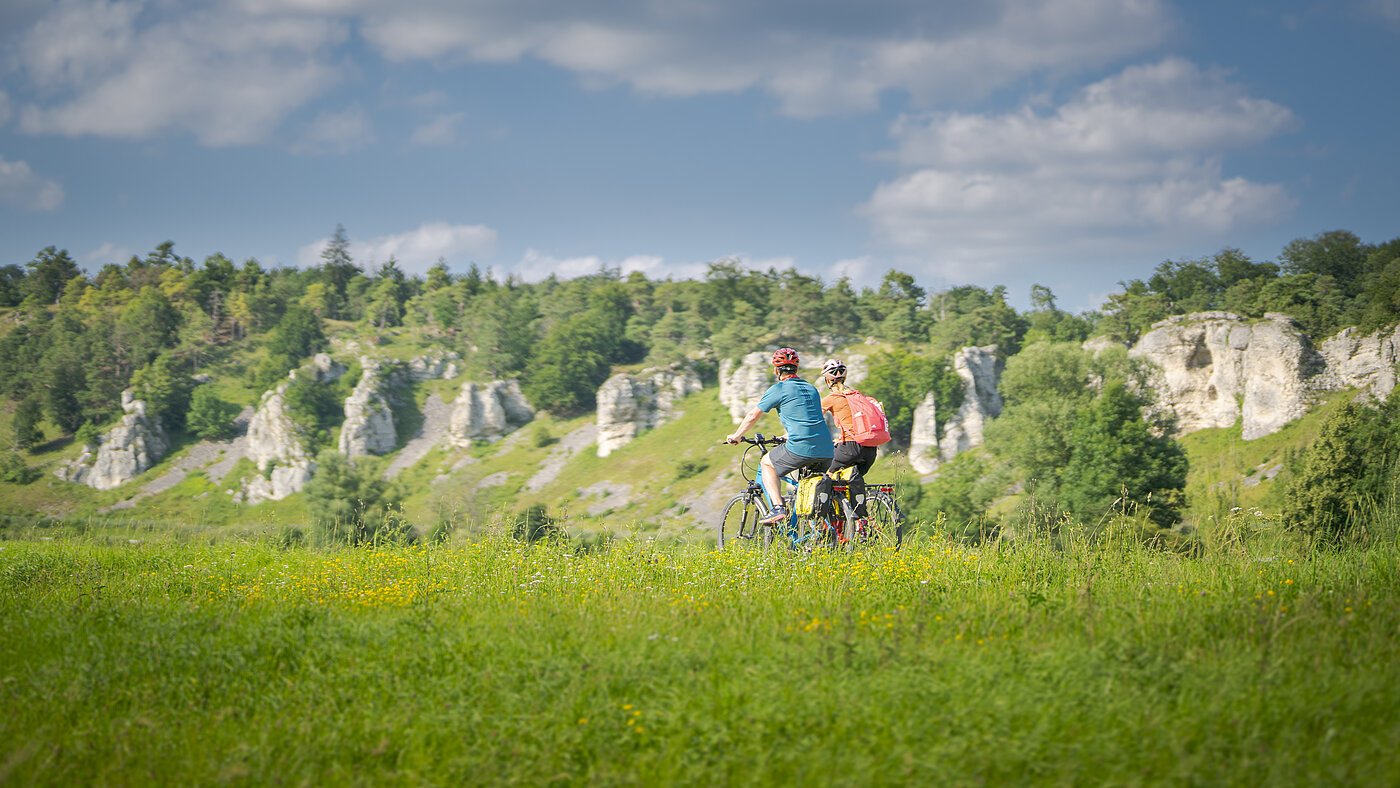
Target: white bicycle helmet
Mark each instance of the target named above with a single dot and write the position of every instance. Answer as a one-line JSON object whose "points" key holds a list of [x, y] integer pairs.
{"points": [[834, 366]]}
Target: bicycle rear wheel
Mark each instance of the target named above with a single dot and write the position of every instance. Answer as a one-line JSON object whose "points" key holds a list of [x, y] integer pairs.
{"points": [[738, 525], [884, 528]]}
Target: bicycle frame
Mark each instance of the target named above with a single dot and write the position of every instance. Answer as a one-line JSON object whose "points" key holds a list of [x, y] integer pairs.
{"points": [[757, 493]]}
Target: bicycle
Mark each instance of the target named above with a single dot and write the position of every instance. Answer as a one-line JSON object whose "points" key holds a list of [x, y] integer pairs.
{"points": [[739, 520]]}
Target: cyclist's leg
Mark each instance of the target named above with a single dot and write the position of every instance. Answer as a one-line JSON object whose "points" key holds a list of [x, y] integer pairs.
{"points": [[846, 455], [865, 458], [769, 478]]}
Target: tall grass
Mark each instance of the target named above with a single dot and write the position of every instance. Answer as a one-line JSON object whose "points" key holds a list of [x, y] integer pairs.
{"points": [[1074, 660]]}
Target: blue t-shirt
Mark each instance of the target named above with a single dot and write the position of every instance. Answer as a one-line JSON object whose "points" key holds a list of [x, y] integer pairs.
{"points": [[800, 410]]}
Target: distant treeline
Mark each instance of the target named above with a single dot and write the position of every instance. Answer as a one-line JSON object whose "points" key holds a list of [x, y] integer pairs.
{"points": [[76, 341]]}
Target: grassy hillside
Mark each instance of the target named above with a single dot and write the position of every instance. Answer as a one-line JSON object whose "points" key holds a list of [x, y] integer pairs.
{"points": [[669, 482]]}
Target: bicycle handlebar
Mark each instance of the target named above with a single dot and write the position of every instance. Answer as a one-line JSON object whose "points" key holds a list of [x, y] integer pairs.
{"points": [[760, 441]]}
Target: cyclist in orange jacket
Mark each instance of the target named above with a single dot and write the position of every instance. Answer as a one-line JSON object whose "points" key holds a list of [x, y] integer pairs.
{"points": [[848, 453]]}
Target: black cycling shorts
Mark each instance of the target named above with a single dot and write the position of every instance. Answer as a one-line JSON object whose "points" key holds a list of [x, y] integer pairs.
{"points": [[785, 461], [852, 453]]}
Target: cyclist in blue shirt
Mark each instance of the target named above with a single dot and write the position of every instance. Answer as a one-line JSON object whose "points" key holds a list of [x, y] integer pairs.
{"points": [[799, 407]]}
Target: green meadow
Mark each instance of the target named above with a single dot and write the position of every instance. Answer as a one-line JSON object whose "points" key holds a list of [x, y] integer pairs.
{"points": [[1265, 660]]}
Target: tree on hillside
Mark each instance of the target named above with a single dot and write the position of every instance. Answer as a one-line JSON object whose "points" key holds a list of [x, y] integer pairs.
{"points": [[1129, 314], [1048, 323], [48, 273], [386, 297], [337, 271], [900, 379], [438, 277], [974, 317], [347, 503], [839, 311], [1379, 302], [1043, 388], [26, 422], [1338, 254], [210, 417], [1117, 458], [574, 359], [1348, 474], [1315, 300], [62, 374], [147, 325], [500, 325], [297, 335], [896, 308], [11, 285], [164, 385]]}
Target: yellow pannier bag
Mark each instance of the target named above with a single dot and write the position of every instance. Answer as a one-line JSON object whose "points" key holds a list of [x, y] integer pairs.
{"points": [[806, 504]]}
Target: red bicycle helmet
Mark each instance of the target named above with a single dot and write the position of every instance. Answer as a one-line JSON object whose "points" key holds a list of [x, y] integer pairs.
{"points": [[785, 357]]}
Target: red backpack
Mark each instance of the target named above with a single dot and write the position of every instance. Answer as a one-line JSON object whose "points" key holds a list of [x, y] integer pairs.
{"points": [[868, 417]]}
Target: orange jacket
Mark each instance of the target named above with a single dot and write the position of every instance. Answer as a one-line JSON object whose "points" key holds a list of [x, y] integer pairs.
{"points": [[841, 411]]}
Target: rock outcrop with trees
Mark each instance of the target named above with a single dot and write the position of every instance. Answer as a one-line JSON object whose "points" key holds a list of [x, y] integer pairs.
{"points": [[106, 372]]}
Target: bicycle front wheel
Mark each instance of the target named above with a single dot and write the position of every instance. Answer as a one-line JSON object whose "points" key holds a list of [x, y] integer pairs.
{"points": [[738, 524]]}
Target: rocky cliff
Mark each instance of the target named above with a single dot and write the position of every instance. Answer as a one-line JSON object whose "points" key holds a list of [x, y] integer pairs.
{"points": [[741, 384], [1217, 368], [126, 451], [979, 368], [433, 366], [1363, 362], [369, 421], [631, 404], [276, 444], [488, 411]]}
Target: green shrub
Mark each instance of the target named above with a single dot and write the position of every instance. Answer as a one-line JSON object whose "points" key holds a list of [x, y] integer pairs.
{"points": [[1337, 483], [210, 417], [689, 468], [534, 524], [15, 470]]}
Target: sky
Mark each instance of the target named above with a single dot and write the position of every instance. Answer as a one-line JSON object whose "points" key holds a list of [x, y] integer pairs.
{"points": [[1070, 143]]}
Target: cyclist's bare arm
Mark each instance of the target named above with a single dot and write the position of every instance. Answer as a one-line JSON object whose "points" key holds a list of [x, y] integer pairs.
{"points": [[750, 419]]}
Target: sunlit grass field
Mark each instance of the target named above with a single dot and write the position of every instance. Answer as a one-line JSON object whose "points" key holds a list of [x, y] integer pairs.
{"points": [[494, 661]]}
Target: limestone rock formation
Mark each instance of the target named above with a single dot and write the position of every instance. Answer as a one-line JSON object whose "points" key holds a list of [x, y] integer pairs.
{"points": [[437, 365], [979, 368], [1097, 345], [1276, 368], [1364, 362], [1215, 368], [924, 456], [488, 411], [980, 371], [369, 421], [631, 404], [126, 451], [275, 443], [741, 384]]}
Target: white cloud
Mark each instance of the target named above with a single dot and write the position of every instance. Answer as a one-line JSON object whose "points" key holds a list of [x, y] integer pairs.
{"points": [[21, 187], [231, 73], [125, 69], [108, 252], [415, 250], [441, 130], [1124, 164], [337, 132], [1389, 10], [5, 112], [815, 59], [535, 265]]}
